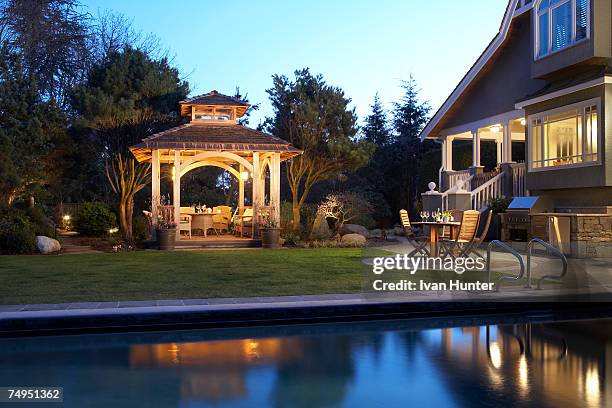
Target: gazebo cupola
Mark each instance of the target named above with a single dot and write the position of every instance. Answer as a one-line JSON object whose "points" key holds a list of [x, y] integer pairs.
{"points": [[214, 138], [213, 107]]}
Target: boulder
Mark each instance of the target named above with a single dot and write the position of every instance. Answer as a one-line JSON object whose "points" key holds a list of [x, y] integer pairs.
{"points": [[320, 228], [399, 231], [376, 233], [354, 239], [354, 229], [46, 245]]}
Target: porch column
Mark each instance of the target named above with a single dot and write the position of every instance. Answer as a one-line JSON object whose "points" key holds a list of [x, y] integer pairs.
{"points": [[507, 143], [275, 186], [447, 153], [155, 190], [256, 188], [499, 145], [241, 191], [475, 148], [176, 191]]}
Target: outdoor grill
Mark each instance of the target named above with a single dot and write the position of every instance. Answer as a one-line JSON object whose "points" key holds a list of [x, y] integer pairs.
{"points": [[520, 222]]}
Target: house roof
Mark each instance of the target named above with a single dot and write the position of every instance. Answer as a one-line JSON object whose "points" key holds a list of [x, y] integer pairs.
{"points": [[214, 98], [435, 124], [213, 137]]}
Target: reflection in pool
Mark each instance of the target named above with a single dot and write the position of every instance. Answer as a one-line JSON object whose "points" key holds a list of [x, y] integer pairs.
{"points": [[393, 363]]}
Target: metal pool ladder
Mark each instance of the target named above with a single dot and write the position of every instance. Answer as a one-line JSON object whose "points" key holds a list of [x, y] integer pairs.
{"points": [[510, 250], [549, 249]]}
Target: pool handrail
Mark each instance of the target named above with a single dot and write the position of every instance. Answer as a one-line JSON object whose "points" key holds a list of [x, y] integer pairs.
{"points": [[510, 250], [549, 249]]}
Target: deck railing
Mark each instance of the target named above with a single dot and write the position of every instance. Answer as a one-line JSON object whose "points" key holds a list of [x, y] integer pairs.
{"points": [[486, 192], [462, 175], [518, 180]]}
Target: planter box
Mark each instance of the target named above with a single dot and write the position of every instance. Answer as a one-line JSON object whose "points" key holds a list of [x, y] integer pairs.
{"points": [[270, 237], [166, 239]]}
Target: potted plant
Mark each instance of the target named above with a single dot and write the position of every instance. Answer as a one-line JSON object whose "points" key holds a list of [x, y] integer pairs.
{"points": [[166, 233], [447, 216], [270, 231]]}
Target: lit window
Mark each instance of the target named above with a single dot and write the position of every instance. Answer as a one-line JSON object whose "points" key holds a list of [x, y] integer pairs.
{"points": [[568, 136], [216, 114], [560, 24]]}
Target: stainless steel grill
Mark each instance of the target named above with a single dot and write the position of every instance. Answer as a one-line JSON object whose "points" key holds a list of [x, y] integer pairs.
{"points": [[520, 223]]}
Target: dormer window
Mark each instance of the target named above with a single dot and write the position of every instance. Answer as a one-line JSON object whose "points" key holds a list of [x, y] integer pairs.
{"points": [[560, 24]]}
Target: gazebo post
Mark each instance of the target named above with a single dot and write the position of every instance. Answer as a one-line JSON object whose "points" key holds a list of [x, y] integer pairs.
{"points": [[275, 186], [256, 188], [241, 191], [176, 196], [155, 194]]}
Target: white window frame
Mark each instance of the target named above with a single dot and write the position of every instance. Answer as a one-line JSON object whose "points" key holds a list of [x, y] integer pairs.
{"points": [[576, 106], [549, 10]]}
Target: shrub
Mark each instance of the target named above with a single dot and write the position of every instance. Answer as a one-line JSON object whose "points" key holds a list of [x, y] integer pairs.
{"points": [[140, 227], [344, 208], [41, 224], [16, 232], [94, 220], [327, 243], [499, 205]]}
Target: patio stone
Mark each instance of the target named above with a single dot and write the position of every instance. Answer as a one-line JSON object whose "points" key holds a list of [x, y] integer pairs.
{"points": [[45, 306], [171, 302], [137, 303], [108, 305], [83, 305], [195, 302]]}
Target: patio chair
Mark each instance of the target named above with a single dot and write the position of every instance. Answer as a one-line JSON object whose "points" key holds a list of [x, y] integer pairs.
{"points": [[419, 242], [475, 244], [245, 222], [221, 217], [467, 232], [185, 224]]}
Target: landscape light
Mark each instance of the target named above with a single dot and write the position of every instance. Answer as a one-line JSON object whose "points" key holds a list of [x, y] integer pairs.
{"points": [[66, 217]]}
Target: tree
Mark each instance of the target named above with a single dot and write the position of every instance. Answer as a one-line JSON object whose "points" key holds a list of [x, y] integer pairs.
{"points": [[53, 39], [30, 130], [314, 117], [127, 96], [126, 178], [376, 129], [410, 115]]}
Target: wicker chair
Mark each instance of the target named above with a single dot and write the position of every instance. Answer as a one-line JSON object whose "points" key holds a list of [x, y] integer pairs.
{"points": [[185, 224], [244, 223], [419, 242], [221, 217], [467, 232]]}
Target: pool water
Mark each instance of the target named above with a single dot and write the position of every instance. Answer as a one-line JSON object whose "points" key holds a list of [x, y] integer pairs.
{"points": [[422, 363]]}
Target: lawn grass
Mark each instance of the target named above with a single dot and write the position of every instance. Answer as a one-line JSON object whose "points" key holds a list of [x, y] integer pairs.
{"points": [[149, 275]]}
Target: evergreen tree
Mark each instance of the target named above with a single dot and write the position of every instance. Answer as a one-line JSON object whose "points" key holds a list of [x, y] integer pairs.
{"points": [[30, 130], [407, 172], [376, 129]]}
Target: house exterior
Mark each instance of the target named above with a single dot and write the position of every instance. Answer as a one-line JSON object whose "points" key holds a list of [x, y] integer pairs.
{"points": [[545, 83]]}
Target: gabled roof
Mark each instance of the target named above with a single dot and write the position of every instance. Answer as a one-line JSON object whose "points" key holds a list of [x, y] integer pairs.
{"points": [[514, 7], [213, 137], [213, 98]]}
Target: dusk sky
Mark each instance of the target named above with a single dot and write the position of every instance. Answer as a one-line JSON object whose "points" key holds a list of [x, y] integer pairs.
{"points": [[362, 46]]}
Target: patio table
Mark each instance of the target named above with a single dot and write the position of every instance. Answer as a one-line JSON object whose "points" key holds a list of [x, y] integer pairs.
{"points": [[203, 221], [435, 231]]}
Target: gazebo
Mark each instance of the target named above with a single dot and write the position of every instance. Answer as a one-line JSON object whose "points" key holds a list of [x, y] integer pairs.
{"points": [[212, 137]]}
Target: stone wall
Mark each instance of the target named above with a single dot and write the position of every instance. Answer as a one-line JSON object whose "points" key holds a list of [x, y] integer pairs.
{"points": [[591, 235]]}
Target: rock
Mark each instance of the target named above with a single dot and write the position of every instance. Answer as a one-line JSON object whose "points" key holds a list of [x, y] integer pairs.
{"points": [[354, 229], [46, 245], [354, 239], [399, 231], [320, 228], [376, 233]]}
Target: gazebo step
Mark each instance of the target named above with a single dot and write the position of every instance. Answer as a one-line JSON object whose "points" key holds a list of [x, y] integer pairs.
{"points": [[219, 243]]}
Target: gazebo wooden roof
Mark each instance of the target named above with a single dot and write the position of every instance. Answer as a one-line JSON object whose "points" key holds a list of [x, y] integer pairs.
{"points": [[213, 98], [230, 137]]}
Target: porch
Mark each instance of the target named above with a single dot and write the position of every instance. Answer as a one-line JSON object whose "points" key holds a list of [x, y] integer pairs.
{"points": [[506, 178]]}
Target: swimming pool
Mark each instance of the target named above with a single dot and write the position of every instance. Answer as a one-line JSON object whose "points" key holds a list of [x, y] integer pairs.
{"points": [[431, 363]]}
